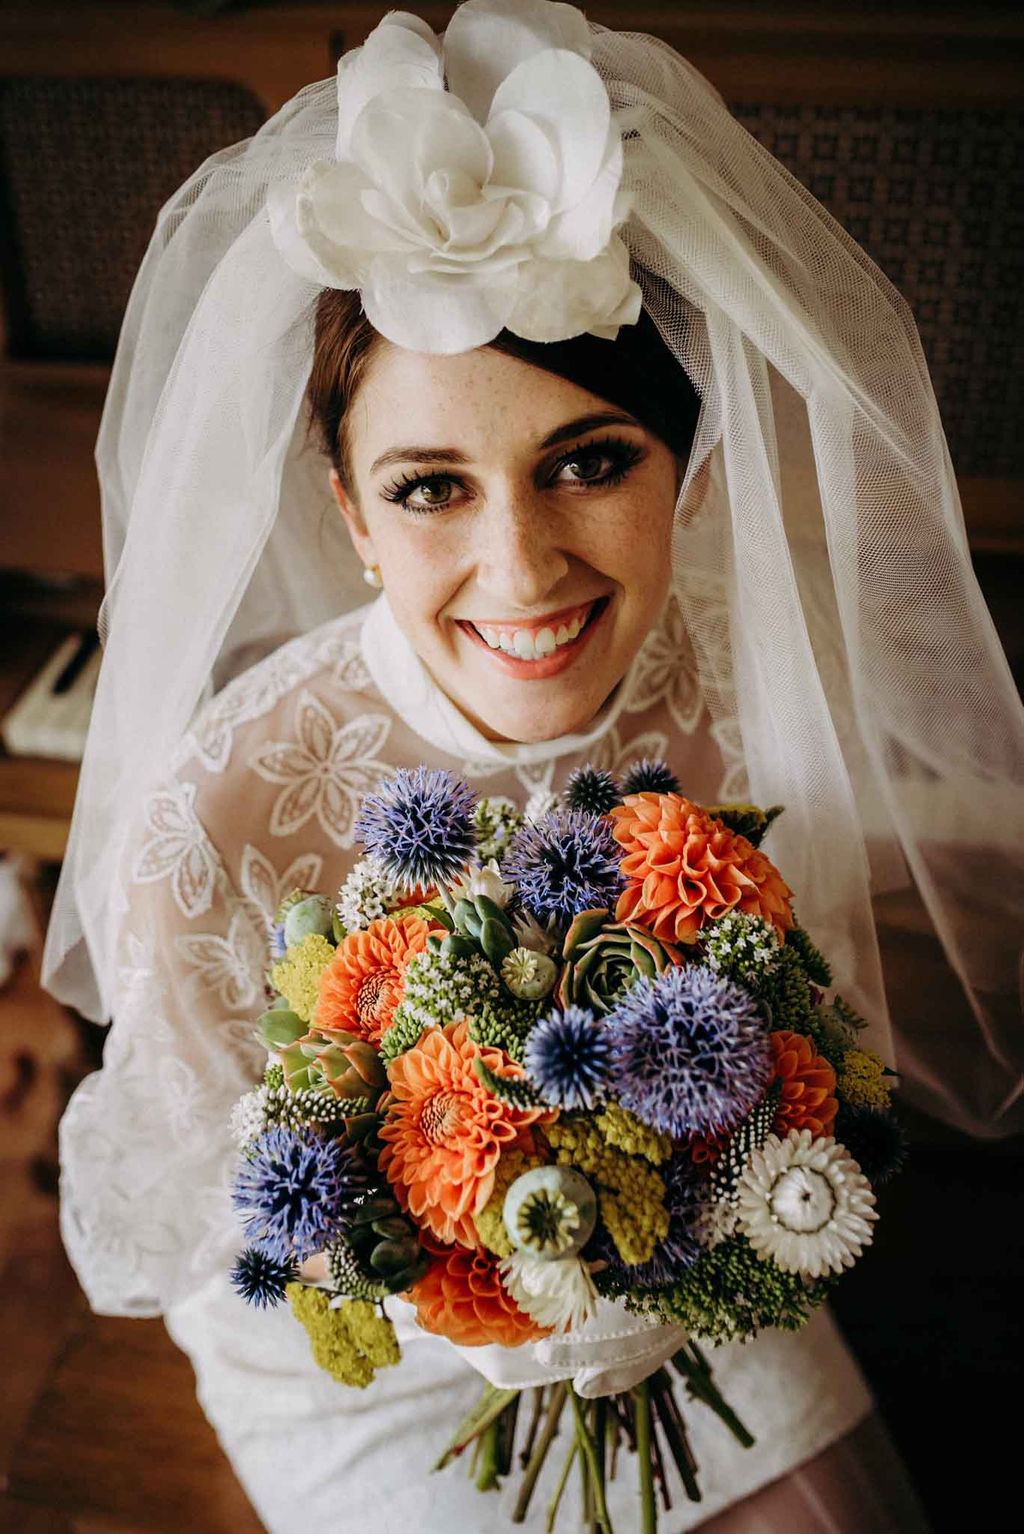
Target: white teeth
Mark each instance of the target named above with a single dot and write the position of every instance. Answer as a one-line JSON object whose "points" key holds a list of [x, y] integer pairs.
{"points": [[525, 645]]}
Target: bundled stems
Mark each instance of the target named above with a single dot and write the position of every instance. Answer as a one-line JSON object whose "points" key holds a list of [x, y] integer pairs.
{"points": [[547, 1433], [556, 1499], [672, 1425], [593, 1478], [696, 1370], [642, 1410]]}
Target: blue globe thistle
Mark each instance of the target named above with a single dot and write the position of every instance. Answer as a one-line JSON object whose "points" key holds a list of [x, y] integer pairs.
{"points": [[565, 863], [691, 1051], [260, 1279], [649, 775], [875, 1139], [419, 826], [592, 789], [294, 1190], [568, 1058]]}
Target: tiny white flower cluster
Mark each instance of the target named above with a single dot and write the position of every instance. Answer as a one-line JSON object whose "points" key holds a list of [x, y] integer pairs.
{"points": [[738, 944], [249, 1117], [496, 819], [366, 895]]}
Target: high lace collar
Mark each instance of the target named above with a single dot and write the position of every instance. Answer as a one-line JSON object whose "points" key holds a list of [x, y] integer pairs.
{"points": [[406, 684]]}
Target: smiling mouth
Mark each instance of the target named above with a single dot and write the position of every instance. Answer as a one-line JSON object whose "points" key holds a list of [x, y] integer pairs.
{"points": [[530, 642]]}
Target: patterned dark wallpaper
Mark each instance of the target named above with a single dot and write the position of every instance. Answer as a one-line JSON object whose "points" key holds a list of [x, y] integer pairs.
{"points": [[933, 196]]}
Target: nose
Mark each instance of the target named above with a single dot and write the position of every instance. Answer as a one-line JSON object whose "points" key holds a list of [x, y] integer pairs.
{"points": [[518, 559]]}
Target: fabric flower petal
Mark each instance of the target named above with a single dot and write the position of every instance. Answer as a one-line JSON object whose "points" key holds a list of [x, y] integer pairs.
{"points": [[558, 299], [400, 53], [524, 155], [433, 312], [487, 38], [581, 232], [568, 96], [307, 257], [398, 141]]}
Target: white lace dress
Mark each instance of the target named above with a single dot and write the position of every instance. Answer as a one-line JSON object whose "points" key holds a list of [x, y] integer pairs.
{"points": [[260, 798]]}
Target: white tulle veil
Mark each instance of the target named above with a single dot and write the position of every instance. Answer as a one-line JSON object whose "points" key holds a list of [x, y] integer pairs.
{"points": [[819, 554]]}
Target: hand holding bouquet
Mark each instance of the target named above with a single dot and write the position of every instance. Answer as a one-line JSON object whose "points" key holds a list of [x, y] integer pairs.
{"points": [[533, 1072]]}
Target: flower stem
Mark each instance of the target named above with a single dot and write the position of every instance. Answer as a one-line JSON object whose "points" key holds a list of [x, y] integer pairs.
{"points": [[648, 1506], [533, 1469], [531, 1431], [696, 1370], [672, 1425], [596, 1479], [556, 1499], [487, 1476]]}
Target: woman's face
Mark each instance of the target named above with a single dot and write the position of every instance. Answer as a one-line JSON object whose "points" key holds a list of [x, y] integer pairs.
{"points": [[522, 528]]}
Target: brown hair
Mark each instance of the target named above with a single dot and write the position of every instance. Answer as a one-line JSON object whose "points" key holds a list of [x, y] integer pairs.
{"points": [[636, 371]]}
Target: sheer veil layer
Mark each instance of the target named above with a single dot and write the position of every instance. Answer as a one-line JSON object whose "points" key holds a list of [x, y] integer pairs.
{"points": [[819, 554]]}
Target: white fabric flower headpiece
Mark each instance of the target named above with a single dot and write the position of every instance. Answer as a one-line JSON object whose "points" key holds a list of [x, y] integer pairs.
{"points": [[477, 184]]}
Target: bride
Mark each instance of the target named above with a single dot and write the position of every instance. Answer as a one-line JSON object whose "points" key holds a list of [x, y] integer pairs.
{"points": [[639, 452]]}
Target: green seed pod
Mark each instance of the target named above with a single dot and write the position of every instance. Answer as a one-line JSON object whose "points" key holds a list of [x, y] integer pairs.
{"points": [[314, 914], [528, 974], [550, 1212]]}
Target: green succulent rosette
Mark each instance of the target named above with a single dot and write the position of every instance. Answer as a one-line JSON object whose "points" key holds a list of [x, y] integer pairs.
{"points": [[602, 958]]}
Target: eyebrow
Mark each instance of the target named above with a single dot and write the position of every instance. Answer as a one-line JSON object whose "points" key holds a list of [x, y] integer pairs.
{"points": [[452, 455]]}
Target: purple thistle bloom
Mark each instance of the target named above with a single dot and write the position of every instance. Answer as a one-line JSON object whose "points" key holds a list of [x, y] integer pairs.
{"points": [[568, 1058], [565, 863], [691, 1051], [295, 1190], [591, 788], [261, 1279], [419, 826]]}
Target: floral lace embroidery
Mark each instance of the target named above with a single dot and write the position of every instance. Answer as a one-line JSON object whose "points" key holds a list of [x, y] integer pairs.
{"points": [[326, 770], [179, 849], [264, 888]]}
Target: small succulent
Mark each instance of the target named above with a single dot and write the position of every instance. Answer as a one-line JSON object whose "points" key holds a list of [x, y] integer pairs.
{"points": [[602, 958]]}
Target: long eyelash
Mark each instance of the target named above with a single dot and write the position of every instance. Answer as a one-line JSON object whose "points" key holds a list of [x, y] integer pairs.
{"points": [[624, 453]]}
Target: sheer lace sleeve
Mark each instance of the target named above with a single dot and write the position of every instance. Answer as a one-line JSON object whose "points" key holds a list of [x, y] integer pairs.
{"points": [[145, 1145]]}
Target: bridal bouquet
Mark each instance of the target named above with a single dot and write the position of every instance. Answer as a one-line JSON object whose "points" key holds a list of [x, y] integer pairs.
{"points": [[525, 1064]]}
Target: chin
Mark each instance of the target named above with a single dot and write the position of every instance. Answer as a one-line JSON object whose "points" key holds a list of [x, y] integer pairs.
{"points": [[529, 721]]}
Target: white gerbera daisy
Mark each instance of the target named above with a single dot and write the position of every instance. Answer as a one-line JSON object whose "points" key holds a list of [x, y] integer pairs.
{"points": [[806, 1204], [558, 1294]]}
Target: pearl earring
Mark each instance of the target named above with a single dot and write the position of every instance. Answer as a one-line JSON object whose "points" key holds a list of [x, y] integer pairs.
{"points": [[371, 575]]}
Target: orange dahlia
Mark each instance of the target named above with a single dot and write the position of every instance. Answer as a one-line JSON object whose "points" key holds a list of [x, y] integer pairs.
{"points": [[808, 1098], [461, 1297], [685, 868], [363, 983], [444, 1131]]}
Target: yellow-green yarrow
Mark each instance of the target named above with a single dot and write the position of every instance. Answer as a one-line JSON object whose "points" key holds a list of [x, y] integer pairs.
{"points": [[297, 976], [860, 1082], [490, 1223], [627, 1133], [350, 1342], [630, 1193]]}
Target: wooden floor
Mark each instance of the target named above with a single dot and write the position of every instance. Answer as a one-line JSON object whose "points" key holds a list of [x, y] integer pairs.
{"points": [[100, 1432]]}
